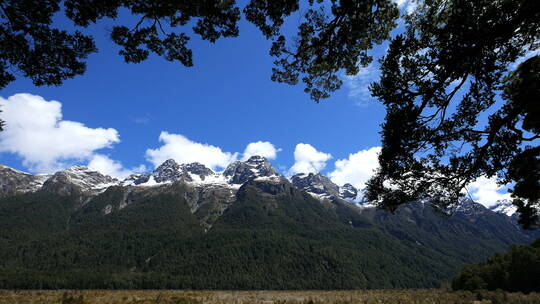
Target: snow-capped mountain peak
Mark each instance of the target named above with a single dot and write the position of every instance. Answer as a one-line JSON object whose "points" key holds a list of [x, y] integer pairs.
{"points": [[505, 207], [85, 182], [169, 170], [79, 178], [316, 184], [197, 169], [14, 181], [321, 187], [240, 172], [348, 191], [198, 174]]}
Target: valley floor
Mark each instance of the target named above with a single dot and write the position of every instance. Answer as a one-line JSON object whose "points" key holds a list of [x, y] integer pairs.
{"points": [[431, 296]]}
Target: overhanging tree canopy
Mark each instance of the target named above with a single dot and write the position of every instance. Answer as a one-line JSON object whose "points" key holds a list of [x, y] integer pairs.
{"points": [[334, 35], [455, 108]]}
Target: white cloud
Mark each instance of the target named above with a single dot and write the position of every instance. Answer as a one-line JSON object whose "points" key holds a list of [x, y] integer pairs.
{"points": [[357, 168], [184, 150], [486, 191], [36, 132], [308, 159], [409, 6], [105, 165], [260, 148], [46, 143], [358, 84]]}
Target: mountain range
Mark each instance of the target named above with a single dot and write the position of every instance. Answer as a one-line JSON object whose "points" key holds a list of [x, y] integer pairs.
{"points": [[248, 227]]}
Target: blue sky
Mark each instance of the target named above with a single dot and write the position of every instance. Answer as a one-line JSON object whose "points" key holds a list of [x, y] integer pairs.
{"points": [[114, 115], [227, 100]]}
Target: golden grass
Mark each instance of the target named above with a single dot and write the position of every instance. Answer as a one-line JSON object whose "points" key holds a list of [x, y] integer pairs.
{"points": [[243, 297]]}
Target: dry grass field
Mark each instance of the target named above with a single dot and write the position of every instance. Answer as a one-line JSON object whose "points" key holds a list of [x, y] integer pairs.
{"points": [[241, 297]]}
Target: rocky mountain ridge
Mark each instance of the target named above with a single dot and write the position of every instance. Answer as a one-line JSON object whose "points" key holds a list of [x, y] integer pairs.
{"points": [[14, 182], [214, 190], [233, 176], [322, 188], [78, 180], [85, 181]]}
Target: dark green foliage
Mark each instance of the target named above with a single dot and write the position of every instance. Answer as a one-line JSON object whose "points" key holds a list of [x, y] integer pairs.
{"points": [[450, 68], [455, 240], [163, 211], [330, 39], [49, 56], [522, 90], [38, 51], [34, 215], [516, 270]]}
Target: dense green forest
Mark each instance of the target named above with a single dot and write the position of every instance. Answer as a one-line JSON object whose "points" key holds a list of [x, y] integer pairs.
{"points": [[516, 270], [273, 236]]}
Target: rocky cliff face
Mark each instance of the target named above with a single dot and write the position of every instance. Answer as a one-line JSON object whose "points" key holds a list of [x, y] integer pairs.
{"points": [[171, 171], [318, 185], [348, 192], [256, 166]]}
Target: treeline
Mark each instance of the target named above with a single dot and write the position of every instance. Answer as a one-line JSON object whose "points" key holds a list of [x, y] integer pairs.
{"points": [[517, 270]]}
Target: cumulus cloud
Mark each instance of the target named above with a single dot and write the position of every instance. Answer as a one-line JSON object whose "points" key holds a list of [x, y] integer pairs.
{"points": [[108, 166], [184, 150], [486, 191], [308, 159], [260, 148], [37, 133], [357, 168]]}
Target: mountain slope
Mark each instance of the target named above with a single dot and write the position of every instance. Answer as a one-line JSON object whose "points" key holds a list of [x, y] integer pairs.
{"points": [[273, 236], [247, 229]]}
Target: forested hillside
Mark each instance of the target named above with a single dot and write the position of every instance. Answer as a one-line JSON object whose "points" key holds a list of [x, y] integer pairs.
{"points": [[516, 270], [273, 236]]}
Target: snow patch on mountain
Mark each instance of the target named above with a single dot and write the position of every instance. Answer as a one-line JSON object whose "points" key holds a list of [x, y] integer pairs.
{"points": [[322, 188], [198, 175], [79, 179], [504, 207], [240, 172]]}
